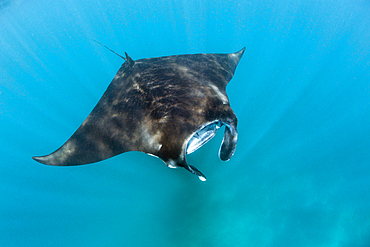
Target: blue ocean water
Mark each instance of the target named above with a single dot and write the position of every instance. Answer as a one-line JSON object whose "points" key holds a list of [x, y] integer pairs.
{"points": [[300, 175]]}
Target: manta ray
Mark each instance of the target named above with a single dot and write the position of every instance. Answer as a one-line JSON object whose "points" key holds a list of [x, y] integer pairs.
{"points": [[166, 107]]}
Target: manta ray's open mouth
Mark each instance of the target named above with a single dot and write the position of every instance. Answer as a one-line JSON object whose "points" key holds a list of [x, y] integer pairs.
{"points": [[207, 132], [202, 136]]}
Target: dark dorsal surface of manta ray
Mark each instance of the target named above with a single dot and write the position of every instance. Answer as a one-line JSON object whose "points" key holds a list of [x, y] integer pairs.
{"points": [[166, 107]]}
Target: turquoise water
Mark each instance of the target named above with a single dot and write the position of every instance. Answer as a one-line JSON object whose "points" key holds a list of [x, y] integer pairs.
{"points": [[300, 175]]}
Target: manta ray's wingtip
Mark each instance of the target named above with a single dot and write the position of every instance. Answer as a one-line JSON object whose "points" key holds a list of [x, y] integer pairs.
{"points": [[40, 159], [240, 53], [50, 159]]}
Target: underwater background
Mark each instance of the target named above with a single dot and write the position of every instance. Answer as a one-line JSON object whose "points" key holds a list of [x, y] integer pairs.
{"points": [[300, 175]]}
